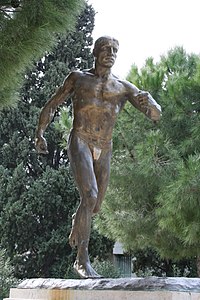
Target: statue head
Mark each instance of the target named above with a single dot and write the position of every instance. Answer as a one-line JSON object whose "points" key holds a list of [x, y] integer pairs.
{"points": [[104, 40]]}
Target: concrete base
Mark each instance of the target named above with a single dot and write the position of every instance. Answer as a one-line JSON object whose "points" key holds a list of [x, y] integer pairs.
{"points": [[151, 288]]}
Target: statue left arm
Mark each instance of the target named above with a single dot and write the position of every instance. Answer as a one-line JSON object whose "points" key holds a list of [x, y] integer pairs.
{"points": [[144, 102], [148, 105]]}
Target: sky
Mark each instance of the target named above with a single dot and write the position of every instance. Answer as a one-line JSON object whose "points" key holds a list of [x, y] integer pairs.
{"points": [[147, 28]]}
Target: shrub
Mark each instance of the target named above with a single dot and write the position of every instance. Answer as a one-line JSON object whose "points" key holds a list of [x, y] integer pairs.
{"points": [[7, 278], [106, 269]]}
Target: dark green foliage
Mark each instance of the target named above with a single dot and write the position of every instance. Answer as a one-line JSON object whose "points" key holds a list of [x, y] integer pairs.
{"points": [[106, 268], [149, 263], [153, 199], [36, 221], [7, 279], [38, 195], [26, 34]]}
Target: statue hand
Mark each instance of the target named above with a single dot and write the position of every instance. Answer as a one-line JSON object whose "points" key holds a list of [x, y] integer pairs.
{"points": [[41, 145], [151, 108], [143, 98]]}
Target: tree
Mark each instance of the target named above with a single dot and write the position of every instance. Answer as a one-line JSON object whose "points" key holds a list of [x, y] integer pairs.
{"points": [[7, 278], [27, 30], [179, 211], [153, 196], [38, 195]]}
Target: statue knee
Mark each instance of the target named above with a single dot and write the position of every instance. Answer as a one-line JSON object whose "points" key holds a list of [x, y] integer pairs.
{"points": [[91, 198]]}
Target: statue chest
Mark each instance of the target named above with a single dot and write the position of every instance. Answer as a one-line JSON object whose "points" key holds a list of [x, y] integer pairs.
{"points": [[98, 94]]}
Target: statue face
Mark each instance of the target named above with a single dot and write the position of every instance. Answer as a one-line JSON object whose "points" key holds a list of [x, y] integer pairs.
{"points": [[106, 53]]}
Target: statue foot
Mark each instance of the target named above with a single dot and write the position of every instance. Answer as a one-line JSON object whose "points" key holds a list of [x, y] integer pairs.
{"points": [[85, 270]]}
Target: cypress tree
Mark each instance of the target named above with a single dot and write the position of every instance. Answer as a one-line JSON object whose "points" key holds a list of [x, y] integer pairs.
{"points": [[38, 195]]}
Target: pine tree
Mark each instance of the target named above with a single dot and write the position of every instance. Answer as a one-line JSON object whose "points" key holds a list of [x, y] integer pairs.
{"points": [[27, 30], [153, 196], [38, 195]]}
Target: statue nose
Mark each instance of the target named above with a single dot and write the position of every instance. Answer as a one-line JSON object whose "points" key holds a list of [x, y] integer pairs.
{"points": [[111, 51]]}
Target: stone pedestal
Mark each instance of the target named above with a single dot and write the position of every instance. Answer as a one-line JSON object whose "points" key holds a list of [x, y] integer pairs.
{"points": [[151, 288]]}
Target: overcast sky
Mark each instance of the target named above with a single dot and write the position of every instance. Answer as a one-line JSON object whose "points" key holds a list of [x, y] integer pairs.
{"points": [[147, 28]]}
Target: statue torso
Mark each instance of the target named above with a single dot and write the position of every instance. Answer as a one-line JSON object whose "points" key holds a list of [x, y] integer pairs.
{"points": [[96, 104]]}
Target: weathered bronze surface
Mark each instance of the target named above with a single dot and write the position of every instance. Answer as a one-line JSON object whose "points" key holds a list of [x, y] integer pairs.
{"points": [[98, 97]]}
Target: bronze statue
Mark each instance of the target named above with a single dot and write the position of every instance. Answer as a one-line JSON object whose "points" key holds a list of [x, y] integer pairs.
{"points": [[98, 96]]}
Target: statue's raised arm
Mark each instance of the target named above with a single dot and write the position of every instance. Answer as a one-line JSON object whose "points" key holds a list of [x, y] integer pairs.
{"points": [[144, 102], [148, 105]]}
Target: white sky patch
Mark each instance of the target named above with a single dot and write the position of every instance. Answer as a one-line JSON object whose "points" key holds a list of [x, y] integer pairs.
{"points": [[147, 28]]}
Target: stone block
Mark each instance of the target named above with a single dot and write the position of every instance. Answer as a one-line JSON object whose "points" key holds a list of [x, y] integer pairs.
{"points": [[151, 288]]}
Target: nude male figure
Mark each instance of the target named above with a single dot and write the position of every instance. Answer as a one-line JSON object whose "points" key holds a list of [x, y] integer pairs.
{"points": [[98, 96]]}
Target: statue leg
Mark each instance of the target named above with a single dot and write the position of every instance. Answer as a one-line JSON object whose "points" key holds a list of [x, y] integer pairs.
{"points": [[82, 166], [102, 173]]}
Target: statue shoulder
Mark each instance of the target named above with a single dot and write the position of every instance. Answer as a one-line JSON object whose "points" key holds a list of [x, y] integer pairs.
{"points": [[78, 74], [130, 87], [74, 75], [124, 82]]}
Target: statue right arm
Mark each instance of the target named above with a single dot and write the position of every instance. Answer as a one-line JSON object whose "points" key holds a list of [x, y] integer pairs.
{"points": [[48, 111]]}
